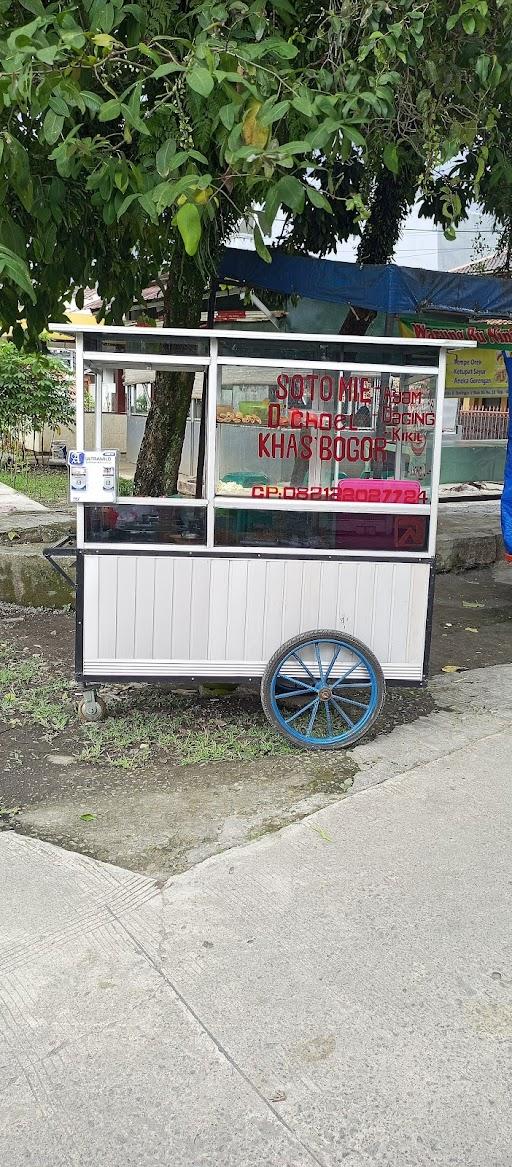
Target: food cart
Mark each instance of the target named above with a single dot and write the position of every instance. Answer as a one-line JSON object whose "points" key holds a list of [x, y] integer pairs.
{"points": [[307, 562]]}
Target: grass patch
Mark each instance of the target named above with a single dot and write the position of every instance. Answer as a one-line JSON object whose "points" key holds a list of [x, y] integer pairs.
{"points": [[29, 691], [146, 725], [49, 487], [187, 730]]}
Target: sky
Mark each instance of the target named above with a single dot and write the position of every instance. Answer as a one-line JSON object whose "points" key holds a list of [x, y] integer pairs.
{"points": [[422, 244]]}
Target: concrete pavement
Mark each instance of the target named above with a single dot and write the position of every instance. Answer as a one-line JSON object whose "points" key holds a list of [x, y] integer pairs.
{"points": [[339, 993], [14, 502]]}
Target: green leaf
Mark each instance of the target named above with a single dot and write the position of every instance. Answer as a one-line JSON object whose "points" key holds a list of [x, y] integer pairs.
{"points": [[136, 11], [109, 214], [200, 80], [482, 67], [102, 40], [73, 38], [281, 48], [495, 73], [87, 818], [164, 156], [273, 113], [228, 114], [134, 120], [34, 6], [19, 166], [269, 212], [109, 111], [23, 34], [283, 6], [127, 202], [188, 222], [183, 184], [166, 70], [260, 246], [299, 147], [468, 23], [47, 56], [16, 270], [147, 204], [353, 136], [291, 192], [303, 104], [52, 127], [11, 235], [390, 157], [318, 199], [92, 101], [329, 126], [166, 193], [107, 16], [58, 105]]}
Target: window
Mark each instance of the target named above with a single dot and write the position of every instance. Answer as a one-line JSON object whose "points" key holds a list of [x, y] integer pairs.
{"points": [[324, 531], [318, 433], [145, 523]]}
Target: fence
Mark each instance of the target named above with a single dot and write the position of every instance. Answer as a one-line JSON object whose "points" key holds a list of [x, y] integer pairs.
{"points": [[482, 424]]}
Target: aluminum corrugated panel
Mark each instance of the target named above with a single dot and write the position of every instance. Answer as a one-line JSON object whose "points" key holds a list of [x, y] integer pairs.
{"points": [[159, 615]]}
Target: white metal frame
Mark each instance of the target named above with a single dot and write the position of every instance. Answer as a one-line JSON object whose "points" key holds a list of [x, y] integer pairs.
{"points": [[214, 363], [242, 334], [336, 366]]}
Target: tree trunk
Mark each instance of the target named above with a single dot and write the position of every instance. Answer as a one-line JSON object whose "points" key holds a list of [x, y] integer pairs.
{"points": [[201, 447], [392, 198], [158, 463]]}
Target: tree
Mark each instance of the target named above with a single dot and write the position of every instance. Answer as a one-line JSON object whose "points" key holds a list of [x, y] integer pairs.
{"points": [[135, 135], [452, 102], [34, 395]]}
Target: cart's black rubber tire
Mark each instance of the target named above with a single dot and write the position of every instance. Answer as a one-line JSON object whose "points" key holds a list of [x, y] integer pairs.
{"points": [[295, 642]]}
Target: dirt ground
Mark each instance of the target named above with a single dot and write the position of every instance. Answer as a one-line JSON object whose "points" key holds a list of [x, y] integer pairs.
{"points": [[172, 777]]}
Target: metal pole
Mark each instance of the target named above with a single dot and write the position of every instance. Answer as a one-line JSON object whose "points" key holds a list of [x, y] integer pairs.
{"points": [[79, 423], [79, 391], [98, 408], [211, 430]]}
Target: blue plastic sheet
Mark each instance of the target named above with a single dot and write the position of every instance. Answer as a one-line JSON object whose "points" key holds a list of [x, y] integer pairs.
{"points": [[379, 287], [506, 498]]}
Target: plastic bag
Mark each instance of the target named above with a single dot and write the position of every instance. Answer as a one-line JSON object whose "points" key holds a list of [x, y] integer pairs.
{"points": [[506, 498]]}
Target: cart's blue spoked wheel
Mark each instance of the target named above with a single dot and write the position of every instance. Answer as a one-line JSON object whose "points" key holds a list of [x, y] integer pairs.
{"points": [[323, 690]]}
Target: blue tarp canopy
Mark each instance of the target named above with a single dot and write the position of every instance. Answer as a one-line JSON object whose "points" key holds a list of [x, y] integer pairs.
{"points": [[380, 287]]}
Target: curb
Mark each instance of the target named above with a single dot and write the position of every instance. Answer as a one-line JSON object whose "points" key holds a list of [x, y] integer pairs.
{"points": [[27, 579], [466, 552]]}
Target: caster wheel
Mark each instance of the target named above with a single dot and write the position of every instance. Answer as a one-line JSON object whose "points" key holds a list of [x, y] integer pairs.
{"points": [[92, 710], [323, 690]]}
